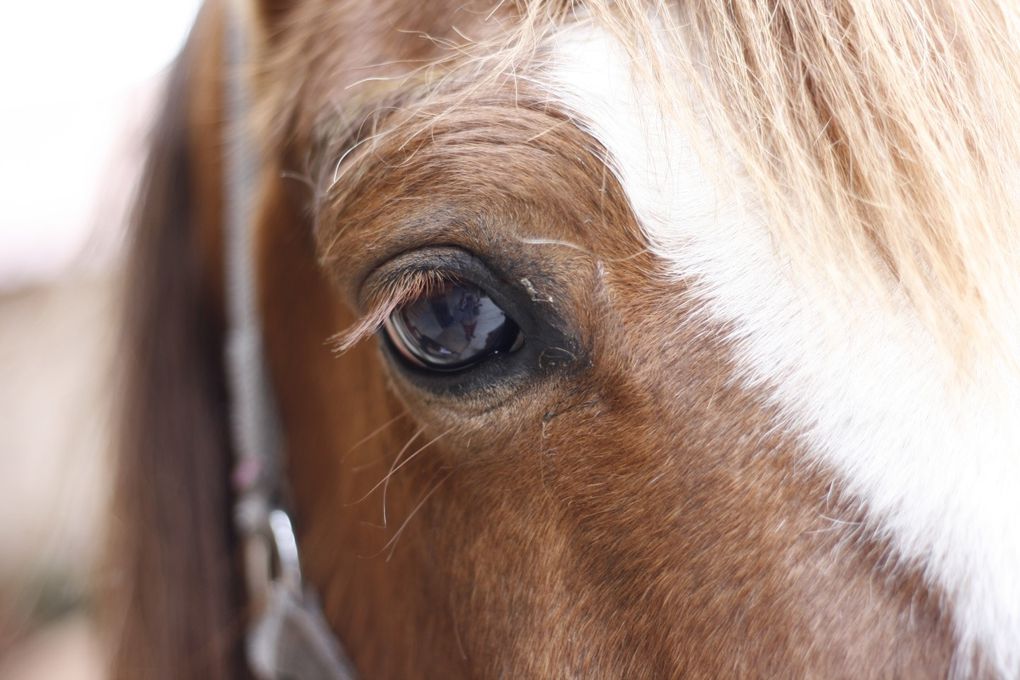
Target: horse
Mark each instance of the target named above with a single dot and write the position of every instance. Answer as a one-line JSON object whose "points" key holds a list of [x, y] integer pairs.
{"points": [[600, 338]]}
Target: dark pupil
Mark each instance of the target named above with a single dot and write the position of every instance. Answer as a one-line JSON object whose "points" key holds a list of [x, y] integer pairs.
{"points": [[452, 328]]}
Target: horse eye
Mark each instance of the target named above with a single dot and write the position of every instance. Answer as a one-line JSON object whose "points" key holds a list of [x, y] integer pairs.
{"points": [[452, 328]]}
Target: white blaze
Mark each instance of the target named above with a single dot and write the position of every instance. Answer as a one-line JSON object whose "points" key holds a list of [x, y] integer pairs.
{"points": [[935, 464]]}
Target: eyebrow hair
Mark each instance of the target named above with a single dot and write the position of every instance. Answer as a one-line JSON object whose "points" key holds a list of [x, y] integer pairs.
{"points": [[361, 120]]}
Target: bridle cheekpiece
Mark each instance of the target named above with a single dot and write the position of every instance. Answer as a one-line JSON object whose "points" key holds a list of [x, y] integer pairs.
{"points": [[288, 637]]}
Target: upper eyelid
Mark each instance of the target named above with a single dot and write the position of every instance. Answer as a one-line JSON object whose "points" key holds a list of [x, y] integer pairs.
{"points": [[393, 282], [416, 268], [383, 298], [400, 279]]}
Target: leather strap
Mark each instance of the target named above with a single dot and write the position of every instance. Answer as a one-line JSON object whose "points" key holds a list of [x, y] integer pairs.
{"points": [[288, 638]]}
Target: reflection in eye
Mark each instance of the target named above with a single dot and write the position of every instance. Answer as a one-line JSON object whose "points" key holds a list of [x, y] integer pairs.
{"points": [[452, 328]]}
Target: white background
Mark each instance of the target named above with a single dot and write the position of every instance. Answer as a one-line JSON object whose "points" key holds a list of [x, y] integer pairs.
{"points": [[76, 78]]}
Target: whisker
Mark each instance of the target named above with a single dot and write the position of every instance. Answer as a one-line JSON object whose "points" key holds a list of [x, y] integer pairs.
{"points": [[394, 470], [578, 248], [364, 440], [300, 177], [364, 466], [392, 543], [402, 451], [547, 130], [555, 242]]}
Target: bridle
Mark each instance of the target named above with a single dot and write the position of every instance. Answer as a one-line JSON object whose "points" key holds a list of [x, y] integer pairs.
{"points": [[288, 637]]}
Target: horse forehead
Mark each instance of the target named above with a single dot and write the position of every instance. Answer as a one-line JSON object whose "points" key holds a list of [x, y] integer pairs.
{"points": [[861, 383]]}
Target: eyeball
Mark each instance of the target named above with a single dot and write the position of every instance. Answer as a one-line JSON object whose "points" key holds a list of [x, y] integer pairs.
{"points": [[452, 329]]}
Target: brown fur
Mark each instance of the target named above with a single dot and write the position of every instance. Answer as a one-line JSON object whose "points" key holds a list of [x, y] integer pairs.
{"points": [[632, 513]]}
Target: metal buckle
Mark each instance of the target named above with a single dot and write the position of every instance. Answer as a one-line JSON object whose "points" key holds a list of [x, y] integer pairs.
{"points": [[271, 558], [286, 561], [288, 637]]}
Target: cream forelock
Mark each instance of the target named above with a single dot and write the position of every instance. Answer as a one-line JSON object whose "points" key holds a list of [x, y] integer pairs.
{"points": [[934, 461]]}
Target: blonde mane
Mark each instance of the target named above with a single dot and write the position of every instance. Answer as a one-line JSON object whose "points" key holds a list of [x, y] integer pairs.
{"points": [[883, 138]]}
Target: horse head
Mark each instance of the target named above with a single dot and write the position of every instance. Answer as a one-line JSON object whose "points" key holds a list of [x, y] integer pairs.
{"points": [[606, 339]]}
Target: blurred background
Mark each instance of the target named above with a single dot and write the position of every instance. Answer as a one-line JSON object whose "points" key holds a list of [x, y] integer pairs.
{"points": [[81, 83]]}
